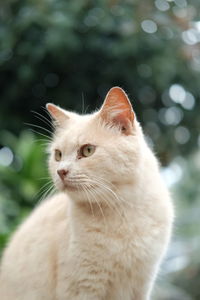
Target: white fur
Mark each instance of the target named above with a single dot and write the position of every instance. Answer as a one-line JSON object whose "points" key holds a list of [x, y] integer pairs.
{"points": [[67, 251]]}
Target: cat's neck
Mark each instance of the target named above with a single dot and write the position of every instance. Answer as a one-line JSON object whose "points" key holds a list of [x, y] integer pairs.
{"points": [[95, 210], [98, 213]]}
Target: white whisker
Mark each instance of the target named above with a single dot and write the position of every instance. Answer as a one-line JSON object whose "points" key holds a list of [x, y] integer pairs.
{"points": [[38, 126], [92, 193], [47, 193], [41, 190], [88, 198], [42, 134], [43, 119], [111, 204]]}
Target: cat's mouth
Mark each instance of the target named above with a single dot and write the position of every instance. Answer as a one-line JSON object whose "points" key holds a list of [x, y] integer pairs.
{"points": [[76, 183], [72, 185]]}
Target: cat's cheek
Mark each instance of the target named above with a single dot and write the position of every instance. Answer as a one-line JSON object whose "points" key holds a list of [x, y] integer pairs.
{"points": [[53, 172], [59, 185]]}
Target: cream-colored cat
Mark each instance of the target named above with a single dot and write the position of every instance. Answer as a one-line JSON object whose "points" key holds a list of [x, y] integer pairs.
{"points": [[102, 237]]}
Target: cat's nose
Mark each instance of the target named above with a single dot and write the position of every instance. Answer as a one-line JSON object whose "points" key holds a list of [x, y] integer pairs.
{"points": [[62, 173]]}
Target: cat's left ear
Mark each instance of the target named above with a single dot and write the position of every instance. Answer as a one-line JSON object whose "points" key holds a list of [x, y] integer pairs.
{"points": [[117, 110], [58, 114]]}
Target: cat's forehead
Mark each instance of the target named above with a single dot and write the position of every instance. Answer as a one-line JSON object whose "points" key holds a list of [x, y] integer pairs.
{"points": [[79, 130]]}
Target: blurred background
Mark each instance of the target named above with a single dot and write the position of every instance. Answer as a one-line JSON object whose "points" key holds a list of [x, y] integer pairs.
{"points": [[71, 53]]}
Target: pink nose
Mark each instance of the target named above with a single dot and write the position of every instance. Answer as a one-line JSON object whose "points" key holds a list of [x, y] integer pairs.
{"points": [[62, 173]]}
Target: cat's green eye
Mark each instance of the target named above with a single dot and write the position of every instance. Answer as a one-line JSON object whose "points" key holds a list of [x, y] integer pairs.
{"points": [[87, 150], [58, 155]]}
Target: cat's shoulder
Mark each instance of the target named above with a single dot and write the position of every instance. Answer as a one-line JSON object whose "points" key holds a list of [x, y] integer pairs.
{"points": [[52, 208], [46, 216]]}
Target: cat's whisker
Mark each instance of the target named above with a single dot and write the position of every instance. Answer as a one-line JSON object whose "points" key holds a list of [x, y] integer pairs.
{"points": [[111, 190], [84, 110], [43, 119], [111, 204], [43, 193], [83, 103], [92, 193], [47, 192], [108, 202], [40, 127], [50, 116], [86, 191], [42, 134], [122, 213], [99, 205], [41, 190], [43, 142], [113, 207], [88, 198], [115, 197], [44, 178]]}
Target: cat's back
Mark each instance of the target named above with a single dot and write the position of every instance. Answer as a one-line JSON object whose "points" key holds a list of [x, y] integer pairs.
{"points": [[31, 254]]}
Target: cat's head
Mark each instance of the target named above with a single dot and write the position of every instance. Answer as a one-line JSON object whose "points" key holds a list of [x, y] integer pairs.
{"points": [[96, 152]]}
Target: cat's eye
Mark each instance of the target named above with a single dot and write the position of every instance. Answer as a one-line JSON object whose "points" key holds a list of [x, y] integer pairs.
{"points": [[58, 155], [86, 150]]}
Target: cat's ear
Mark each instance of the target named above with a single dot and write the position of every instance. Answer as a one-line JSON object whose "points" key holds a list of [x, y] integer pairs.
{"points": [[58, 114], [117, 110]]}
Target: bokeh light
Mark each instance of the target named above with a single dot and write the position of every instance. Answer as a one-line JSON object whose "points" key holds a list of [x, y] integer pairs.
{"points": [[6, 156]]}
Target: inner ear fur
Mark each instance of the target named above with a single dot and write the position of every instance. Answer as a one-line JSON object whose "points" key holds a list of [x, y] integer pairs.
{"points": [[117, 110], [58, 114]]}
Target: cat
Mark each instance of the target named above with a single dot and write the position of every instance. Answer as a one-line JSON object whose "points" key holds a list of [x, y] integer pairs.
{"points": [[104, 234]]}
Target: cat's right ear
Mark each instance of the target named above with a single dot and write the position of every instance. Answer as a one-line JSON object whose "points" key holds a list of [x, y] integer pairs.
{"points": [[58, 114]]}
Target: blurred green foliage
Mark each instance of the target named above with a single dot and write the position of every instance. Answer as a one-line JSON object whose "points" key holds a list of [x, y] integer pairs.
{"points": [[23, 173], [71, 53], [181, 271], [66, 50]]}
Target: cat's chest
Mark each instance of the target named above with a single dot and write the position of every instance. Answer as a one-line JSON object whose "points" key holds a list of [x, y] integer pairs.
{"points": [[114, 249], [110, 257]]}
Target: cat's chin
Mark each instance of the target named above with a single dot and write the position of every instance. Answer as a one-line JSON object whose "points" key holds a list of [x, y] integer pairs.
{"points": [[69, 188]]}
